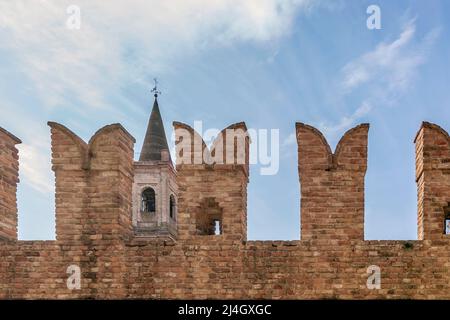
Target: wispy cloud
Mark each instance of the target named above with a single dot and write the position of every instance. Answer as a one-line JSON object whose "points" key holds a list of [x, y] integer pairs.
{"points": [[35, 167], [119, 43], [122, 41], [347, 121], [35, 150], [385, 73], [382, 62], [393, 64], [332, 130]]}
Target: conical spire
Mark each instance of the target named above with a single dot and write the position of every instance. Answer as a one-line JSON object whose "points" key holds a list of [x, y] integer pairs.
{"points": [[155, 138]]}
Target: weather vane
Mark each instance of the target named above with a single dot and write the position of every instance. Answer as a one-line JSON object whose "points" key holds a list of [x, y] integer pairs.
{"points": [[155, 88]]}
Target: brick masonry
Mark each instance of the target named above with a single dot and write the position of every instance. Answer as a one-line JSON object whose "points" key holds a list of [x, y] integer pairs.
{"points": [[9, 178], [93, 224]]}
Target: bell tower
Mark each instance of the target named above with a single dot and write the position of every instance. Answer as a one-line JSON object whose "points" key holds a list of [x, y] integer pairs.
{"points": [[155, 186]]}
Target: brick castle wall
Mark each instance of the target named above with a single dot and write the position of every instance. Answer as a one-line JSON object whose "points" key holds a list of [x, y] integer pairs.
{"points": [[9, 178], [93, 199], [332, 185], [433, 180]]}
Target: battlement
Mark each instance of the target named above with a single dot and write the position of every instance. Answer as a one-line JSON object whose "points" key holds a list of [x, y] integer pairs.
{"points": [[332, 184], [94, 223], [213, 182], [9, 178], [433, 180], [93, 183]]}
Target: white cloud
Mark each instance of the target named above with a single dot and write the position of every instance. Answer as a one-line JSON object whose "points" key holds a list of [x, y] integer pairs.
{"points": [[332, 131], [346, 122], [385, 73], [35, 167], [392, 65], [35, 149], [122, 41]]}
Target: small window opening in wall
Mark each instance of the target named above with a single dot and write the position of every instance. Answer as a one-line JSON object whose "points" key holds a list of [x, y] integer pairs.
{"points": [[209, 218], [217, 228], [447, 220]]}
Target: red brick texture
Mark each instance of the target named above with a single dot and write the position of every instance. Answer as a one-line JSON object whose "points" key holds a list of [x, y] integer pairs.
{"points": [[9, 178], [206, 189], [93, 183], [332, 185], [93, 202], [433, 180], [93, 198]]}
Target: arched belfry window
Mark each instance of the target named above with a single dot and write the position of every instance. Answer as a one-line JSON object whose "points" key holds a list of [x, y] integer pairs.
{"points": [[148, 200], [172, 207]]}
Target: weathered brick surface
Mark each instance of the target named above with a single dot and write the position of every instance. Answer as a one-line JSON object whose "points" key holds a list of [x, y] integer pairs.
{"points": [[93, 201], [329, 262], [212, 187], [433, 179], [332, 185], [9, 177], [217, 268]]}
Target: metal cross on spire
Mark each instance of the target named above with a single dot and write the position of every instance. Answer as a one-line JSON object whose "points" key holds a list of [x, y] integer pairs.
{"points": [[155, 88]]}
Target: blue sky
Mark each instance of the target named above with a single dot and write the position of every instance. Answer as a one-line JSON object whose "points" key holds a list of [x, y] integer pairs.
{"points": [[269, 63]]}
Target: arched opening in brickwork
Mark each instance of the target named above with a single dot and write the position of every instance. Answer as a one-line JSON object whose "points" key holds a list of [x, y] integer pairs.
{"points": [[209, 218], [148, 200]]}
